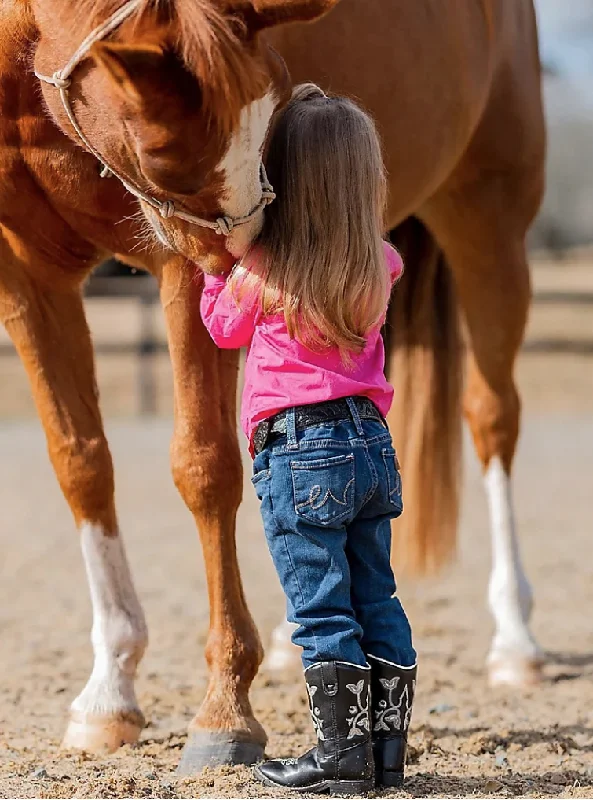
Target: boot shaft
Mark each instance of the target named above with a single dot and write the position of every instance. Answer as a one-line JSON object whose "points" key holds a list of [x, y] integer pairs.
{"points": [[339, 701], [392, 690], [340, 706]]}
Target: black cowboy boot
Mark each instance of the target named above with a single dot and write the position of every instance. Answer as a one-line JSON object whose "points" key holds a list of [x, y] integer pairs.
{"points": [[392, 691], [342, 762]]}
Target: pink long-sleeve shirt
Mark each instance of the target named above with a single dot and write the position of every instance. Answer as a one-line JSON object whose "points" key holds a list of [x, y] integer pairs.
{"points": [[279, 371]]}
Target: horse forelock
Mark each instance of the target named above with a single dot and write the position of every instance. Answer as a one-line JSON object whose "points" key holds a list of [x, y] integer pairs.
{"points": [[210, 44], [208, 41]]}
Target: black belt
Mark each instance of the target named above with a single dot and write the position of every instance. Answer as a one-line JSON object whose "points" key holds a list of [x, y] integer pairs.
{"points": [[309, 416]]}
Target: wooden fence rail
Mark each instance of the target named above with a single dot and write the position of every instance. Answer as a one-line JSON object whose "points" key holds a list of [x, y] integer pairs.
{"points": [[149, 343]]}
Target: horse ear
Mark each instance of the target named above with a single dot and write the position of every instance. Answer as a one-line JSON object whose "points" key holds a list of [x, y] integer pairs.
{"points": [[128, 67], [261, 14]]}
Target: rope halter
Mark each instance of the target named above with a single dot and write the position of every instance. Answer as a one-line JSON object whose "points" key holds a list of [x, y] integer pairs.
{"points": [[61, 80]]}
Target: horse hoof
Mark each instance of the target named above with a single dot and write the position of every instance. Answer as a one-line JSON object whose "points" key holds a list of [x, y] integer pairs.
{"points": [[207, 749], [102, 734], [520, 673]]}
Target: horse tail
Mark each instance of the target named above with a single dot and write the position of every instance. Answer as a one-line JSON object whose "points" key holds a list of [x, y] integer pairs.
{"points": [[425, 366]]}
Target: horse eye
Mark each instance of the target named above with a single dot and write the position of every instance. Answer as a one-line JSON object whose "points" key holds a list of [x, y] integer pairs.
{"points": [[173, 178]]}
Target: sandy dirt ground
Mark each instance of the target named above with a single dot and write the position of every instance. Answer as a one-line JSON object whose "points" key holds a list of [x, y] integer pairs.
{"points": [[466, 739]]}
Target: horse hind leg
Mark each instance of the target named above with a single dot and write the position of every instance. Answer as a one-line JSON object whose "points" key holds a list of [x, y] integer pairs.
{"points": [[515, 657], [50, 333], [484, 244]]}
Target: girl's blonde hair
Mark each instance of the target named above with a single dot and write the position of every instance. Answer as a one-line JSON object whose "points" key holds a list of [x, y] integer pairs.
{"points": [[319, 258]]}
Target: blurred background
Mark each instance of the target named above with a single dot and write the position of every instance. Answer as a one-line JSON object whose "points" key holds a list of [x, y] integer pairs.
{"points": [[566, 34], [556, 367]]}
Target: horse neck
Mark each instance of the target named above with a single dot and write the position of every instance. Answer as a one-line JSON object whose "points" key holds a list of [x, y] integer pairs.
{"points": [[65, 193]]}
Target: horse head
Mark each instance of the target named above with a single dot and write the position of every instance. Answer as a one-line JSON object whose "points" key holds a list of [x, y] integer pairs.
{"points": [[176, 99]]}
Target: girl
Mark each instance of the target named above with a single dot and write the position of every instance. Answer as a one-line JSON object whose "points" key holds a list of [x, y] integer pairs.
{"points": [[309, 300]]}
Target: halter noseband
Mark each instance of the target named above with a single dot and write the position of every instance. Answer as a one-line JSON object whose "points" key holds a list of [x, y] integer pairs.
{"points": [[61, 80]]}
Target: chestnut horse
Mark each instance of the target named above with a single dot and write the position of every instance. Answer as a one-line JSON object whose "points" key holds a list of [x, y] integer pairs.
{"points": [[173, 99]]}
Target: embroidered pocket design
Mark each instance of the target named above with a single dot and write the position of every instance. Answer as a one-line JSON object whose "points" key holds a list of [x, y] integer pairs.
{"points": [[324, 489], [316, 491]]}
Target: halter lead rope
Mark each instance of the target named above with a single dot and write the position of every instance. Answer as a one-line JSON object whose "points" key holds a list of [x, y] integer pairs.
{"points": [[61, 80]]}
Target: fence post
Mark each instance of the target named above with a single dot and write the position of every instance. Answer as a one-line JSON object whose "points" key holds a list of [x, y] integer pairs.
{"points": [[147, 348]]}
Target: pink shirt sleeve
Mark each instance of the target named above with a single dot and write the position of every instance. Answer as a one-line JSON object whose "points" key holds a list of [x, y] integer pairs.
{"points": [[394, 262], [230, 325]]}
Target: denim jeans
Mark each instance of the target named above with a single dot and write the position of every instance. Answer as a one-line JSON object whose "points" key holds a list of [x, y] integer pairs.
{"points": [[327, 496]]}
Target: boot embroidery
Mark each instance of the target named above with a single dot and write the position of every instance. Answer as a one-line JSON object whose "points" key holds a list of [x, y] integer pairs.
{"points": [[288, 762], [408, 714], [315, 713], [389, 713], [359, 721]]}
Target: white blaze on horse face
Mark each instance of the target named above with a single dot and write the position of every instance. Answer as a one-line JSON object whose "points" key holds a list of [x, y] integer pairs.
{"points": [[241, 167], [119, 634], [514, 651]]}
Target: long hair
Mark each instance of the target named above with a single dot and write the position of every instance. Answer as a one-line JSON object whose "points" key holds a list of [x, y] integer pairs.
{"points": [[319, 258]]}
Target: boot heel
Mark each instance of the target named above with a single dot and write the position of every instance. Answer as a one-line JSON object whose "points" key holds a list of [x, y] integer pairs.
{"points": [[350, 788], [391, 779]]}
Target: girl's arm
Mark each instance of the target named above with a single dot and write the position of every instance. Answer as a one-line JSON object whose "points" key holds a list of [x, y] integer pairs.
{"points": [[229, 325]]}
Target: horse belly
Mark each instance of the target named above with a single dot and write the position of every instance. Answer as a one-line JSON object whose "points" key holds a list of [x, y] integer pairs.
{"points": [[422, 74]]}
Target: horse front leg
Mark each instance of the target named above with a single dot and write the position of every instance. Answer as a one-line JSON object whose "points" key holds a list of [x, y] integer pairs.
{"points": [[49, 330], [207, 471]]}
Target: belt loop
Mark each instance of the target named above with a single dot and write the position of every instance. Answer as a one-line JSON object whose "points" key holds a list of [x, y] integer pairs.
{"points": [[355, 416], [291, 437]]}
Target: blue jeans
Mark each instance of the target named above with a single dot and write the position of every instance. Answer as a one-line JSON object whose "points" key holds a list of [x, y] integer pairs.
{"points": [[327, 496]]}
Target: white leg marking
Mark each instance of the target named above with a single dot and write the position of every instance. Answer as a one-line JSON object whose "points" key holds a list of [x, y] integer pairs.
{"points": [[119, 633], [509, 592], [241, 163], [283, 654]]}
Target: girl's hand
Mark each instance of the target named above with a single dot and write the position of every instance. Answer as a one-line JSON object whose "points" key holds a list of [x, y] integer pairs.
{"points": [[219, 262], [215, 270]]}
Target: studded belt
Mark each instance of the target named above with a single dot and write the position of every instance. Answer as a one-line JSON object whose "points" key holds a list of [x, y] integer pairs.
{"points": [[312, 415]]}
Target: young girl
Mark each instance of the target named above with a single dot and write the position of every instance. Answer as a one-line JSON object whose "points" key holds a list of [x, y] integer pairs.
{"points": [[309, 301]]}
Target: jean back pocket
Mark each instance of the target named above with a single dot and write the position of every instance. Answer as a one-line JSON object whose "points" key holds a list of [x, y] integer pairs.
{"points": [[324, 489], [394, 481]]}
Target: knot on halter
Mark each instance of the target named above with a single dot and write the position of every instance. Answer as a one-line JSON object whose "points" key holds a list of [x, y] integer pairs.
{"points": [[59, 82], [224, 226], [167, 209], [268, 195]]}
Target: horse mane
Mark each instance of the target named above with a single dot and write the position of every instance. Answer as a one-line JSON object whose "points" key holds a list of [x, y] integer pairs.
{"points": [[208, 41]]}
